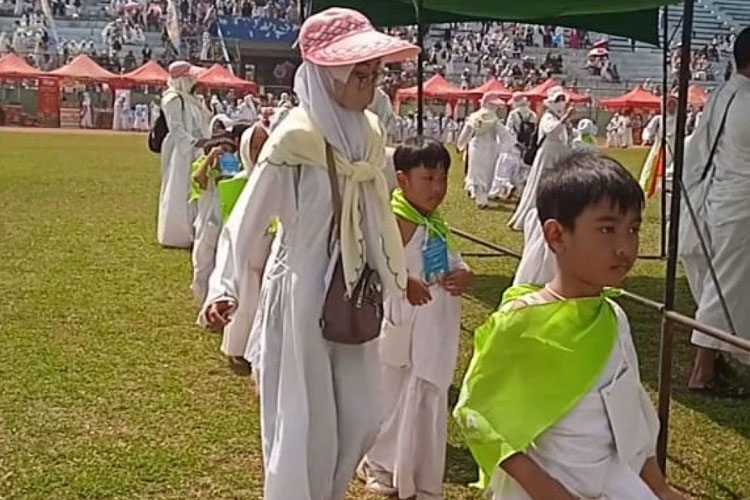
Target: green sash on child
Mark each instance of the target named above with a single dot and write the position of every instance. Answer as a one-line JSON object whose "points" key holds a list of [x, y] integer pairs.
{"points": [[436, 226], [531, 366], [229, 193]]}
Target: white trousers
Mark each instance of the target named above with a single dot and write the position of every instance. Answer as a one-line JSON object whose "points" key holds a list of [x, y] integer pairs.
{"points": [[410, 446]]}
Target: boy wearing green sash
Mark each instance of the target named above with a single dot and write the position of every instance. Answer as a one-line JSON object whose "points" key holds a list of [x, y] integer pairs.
{"points": [[419, 338], [552, 406]]}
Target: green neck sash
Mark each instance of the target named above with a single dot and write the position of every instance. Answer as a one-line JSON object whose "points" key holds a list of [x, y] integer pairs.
{"points": [[531, 366], [436, 226]]}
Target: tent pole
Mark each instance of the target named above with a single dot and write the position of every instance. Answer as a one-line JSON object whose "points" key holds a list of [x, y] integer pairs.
{"points": [[301, 11], [664, 92], [667, 327], [419, 8]]}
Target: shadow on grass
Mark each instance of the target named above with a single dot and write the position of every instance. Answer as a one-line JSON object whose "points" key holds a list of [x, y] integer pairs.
{"points": [[488, 289]]}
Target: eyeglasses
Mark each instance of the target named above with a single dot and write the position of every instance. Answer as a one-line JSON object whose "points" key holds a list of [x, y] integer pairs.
{"points": [[365, 80]]}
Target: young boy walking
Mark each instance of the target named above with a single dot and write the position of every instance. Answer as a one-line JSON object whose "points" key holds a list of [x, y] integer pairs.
{"points": [[419, 341], [552, 406]]}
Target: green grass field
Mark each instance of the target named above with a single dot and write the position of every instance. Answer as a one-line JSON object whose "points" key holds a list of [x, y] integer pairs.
{"points": [[108, 390]]}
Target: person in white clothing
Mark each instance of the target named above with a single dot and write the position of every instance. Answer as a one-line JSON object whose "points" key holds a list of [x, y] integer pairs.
{"points": [[479, 138], [381, 106], [418, 344], [119, 112], [246, 111], [187, 121], [720, 194], [657, 163], [553, 145], [585, 136], [154, 112], [596, 439], [87, 111], [613, 139], [625, 130], [236, 339], [319, 397]]}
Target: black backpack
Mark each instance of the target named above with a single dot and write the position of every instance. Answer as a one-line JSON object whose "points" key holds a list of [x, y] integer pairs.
{"points": [[160, 130], [528, 138]]}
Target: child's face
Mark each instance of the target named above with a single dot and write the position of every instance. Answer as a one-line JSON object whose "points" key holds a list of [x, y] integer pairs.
{"points": [[602, 247], [424, 188]]}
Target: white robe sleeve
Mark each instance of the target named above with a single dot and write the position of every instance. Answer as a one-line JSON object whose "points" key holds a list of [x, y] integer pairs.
{"points": [[243, 242], [464, 137], [505, 138]]}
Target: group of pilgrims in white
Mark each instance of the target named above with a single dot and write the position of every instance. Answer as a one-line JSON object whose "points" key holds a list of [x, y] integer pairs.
{"points": [[320, 255]]}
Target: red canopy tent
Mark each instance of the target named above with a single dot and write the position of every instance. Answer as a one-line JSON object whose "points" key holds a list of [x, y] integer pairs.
{"points": [[697, 97], [217, 76], [13, 66], [436, 87], [638, 98], [539, 93], [148, 74], [85, 69], [491, 85]]}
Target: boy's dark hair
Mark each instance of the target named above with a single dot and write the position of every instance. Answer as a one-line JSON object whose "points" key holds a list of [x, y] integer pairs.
{"points": [[223, 139], [421, 152], [237, 130], [742, 49], [584, 179]]}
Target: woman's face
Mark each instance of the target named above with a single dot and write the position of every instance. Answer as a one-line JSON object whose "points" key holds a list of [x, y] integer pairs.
{"points": [[256, 143], [358, 91]]}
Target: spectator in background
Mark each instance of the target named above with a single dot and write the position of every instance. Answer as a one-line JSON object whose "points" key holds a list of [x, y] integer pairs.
{"points": [[146, 54]]}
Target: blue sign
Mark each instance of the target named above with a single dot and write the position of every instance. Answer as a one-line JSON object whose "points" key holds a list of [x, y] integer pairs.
{"points": [[259, 29]]}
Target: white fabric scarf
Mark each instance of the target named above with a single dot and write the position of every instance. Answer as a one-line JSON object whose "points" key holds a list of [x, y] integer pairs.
{"points": [[347, 133]]}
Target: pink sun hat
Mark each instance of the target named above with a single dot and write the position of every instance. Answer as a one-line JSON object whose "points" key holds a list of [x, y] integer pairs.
{"points": [[179, 69], [338, 36]]}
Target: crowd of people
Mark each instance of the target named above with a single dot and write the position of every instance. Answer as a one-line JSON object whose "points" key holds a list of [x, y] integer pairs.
{"points": [[320, 255]]}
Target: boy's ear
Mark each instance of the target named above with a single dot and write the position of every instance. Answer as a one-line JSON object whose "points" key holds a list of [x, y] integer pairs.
{"points": [[553, 235], [402, 178]]}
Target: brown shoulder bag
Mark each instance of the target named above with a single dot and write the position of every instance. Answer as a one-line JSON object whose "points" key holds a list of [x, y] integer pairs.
{"points": [[355, 319]]}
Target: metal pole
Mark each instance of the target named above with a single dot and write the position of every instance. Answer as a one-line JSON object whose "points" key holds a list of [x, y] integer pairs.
{"points": [[664, 99], [419, 7], [301, 11], [667, 327]]}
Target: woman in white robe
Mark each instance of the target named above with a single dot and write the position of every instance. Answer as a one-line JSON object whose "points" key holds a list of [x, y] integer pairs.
{"points": [[187, 121], [480, 136], [553, 145], [318, 398], [246, 111], [87, 111], [118, 112]]}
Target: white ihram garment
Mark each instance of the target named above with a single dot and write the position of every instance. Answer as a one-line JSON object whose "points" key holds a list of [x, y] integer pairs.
{"points": [[187, 123], [554, 148], [480, 134], [418, 350], [723, 206], [581, 451], [507, 165]]}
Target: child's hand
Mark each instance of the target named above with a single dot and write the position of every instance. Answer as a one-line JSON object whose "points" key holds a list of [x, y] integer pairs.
{"points": [[217, 315], [417, 292], [214, 153], [458, 282]]}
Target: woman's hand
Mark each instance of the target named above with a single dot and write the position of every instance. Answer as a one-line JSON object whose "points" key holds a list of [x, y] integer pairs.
{"points": [[417, 292], [217, 315]]}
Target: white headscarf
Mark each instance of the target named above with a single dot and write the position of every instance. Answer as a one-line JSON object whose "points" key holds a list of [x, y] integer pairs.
{"points": [[344, 129], [348, 133], [245, 140]]}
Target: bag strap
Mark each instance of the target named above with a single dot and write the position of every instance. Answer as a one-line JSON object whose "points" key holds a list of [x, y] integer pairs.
{"points": [[335, 193], [716, 140]]}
